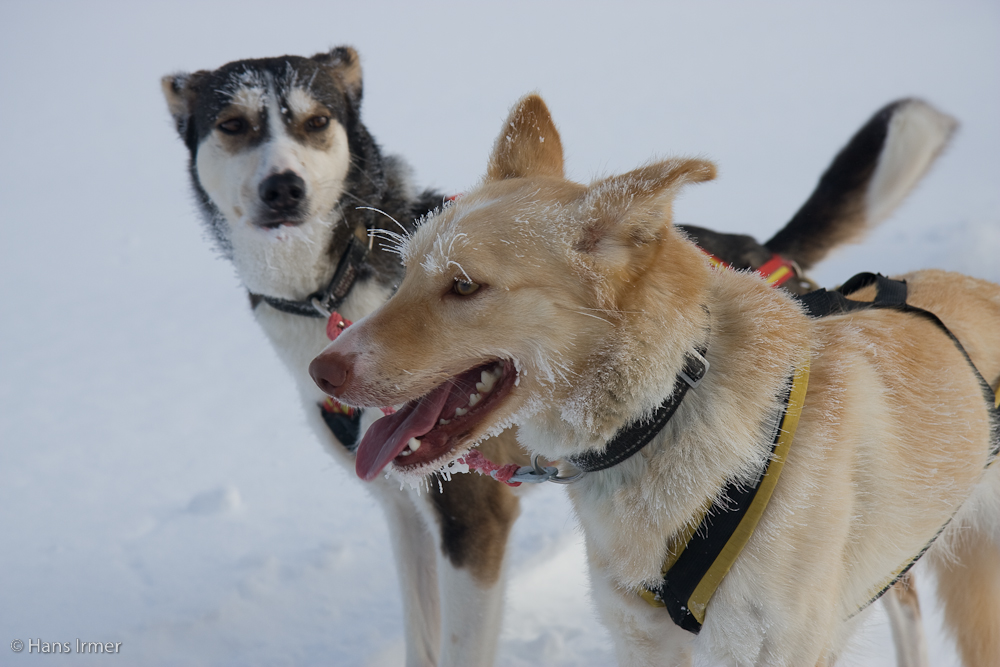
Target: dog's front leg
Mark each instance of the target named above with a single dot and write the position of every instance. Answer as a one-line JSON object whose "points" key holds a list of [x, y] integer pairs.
{"points": [[474, 515], [471, 619], [643, 635], [415, 551]]}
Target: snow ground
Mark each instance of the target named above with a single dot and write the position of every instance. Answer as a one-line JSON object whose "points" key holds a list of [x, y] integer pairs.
{"points": [[158, 485]]}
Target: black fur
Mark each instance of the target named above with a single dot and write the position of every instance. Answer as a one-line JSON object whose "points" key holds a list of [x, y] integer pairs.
{"points": [[738, 250], [820, 224], [372, 181], [475, 514]]}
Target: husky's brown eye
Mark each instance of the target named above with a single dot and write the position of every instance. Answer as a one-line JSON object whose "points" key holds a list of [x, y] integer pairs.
{"points": [[464, 287], [317, 122], [233, 126]]}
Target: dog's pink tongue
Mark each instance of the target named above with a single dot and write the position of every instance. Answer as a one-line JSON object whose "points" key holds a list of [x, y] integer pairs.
{"points": [[388, 436]]}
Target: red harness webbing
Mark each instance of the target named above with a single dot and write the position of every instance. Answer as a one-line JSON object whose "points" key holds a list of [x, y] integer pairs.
{"points": [[776, 271]]}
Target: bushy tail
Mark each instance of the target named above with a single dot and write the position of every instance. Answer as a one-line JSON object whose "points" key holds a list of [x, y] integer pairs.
{"points": [[867, 181]]}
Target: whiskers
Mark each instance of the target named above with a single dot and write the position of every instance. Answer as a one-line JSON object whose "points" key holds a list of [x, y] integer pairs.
{"points": [[596, 317], [378, 210], [614, 314], [394, 242]]}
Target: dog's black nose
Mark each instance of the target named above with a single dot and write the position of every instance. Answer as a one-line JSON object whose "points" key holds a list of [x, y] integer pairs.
{"points": [[282, 192]]}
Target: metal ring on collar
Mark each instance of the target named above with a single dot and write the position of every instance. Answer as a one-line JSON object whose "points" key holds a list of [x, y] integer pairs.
{"points": [[319, 308], [536, 474]]}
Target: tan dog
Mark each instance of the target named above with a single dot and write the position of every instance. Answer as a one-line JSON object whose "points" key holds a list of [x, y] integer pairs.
{"points": [[291, 194], [571, 310]]}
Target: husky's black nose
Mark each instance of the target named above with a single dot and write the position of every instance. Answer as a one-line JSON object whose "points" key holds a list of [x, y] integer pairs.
{"points": [[282, 193]]}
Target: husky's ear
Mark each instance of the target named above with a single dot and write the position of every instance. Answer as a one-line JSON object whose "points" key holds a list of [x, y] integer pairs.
{"points": [[180, 91], [345, 65], [529, 144], [634, 209]]}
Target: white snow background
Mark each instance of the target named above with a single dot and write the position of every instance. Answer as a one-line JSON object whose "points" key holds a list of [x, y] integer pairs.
{"points": [[158, 485]]}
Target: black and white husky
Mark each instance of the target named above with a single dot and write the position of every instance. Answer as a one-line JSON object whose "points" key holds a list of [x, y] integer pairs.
{"points": [[293, 188]]}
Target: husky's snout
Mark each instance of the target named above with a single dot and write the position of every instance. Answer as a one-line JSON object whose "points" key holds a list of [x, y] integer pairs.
{"points": [[331, 372], [283, 194]]}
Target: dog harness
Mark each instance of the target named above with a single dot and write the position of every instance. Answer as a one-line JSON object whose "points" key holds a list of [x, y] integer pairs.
{"points": [[701, 556], [891, 295], [630, 440], [343, 421], [775, 271], [321, 303]]}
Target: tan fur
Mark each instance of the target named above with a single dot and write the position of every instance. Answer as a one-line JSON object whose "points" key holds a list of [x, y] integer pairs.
{"points": [[178, 92], [321, 140], [345, 63], [968, 319], [597, 298], [903, 609], [970, 587], [512, 159], [477, 517]]}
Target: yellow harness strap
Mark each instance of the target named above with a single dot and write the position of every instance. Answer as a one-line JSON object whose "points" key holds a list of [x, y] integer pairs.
{"points": [[693, 572]]}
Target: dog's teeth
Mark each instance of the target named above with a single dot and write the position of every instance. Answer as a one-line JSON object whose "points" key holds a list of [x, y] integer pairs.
{"points": [[473, 399], [444, 422], [488, 380], [413, 444], [406, 452], [460, 411]]}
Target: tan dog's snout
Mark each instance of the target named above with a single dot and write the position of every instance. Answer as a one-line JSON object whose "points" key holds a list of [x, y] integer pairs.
{"points": [[331, 371]]}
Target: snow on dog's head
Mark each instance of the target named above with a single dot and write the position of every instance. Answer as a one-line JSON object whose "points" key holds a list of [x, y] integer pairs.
{"points": [[270, 143], [509, 294]]}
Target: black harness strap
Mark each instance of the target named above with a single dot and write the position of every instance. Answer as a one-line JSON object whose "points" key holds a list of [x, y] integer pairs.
{"points": [[319, 305], [705, 546], [702, 556], [891, 294], [343, 426], [632, 438]]}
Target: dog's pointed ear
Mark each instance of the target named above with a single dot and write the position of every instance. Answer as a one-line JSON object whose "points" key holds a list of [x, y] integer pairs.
{"points": [[634, 209], [180, 90], [345, 65], [529, 144]]}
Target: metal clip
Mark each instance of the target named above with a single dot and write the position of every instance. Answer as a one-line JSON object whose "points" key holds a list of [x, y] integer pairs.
{"points": [[536, 474], [690, 380], [319, 308]]}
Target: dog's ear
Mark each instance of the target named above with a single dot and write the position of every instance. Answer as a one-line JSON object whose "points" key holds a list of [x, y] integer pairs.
{"points": [[632, 210], [345, 65], [180, 91], [529, 144]]}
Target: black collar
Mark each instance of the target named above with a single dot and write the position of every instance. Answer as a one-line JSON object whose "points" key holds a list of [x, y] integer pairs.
{"points": [[321, 303], [629, 440]]}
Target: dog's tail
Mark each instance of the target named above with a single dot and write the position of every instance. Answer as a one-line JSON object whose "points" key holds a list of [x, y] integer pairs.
{"points": [[867, 181]]}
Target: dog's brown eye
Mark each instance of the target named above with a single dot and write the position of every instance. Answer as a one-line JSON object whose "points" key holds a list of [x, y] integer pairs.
{"points": [[464, 287], [233, 126], [317, 122]]}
